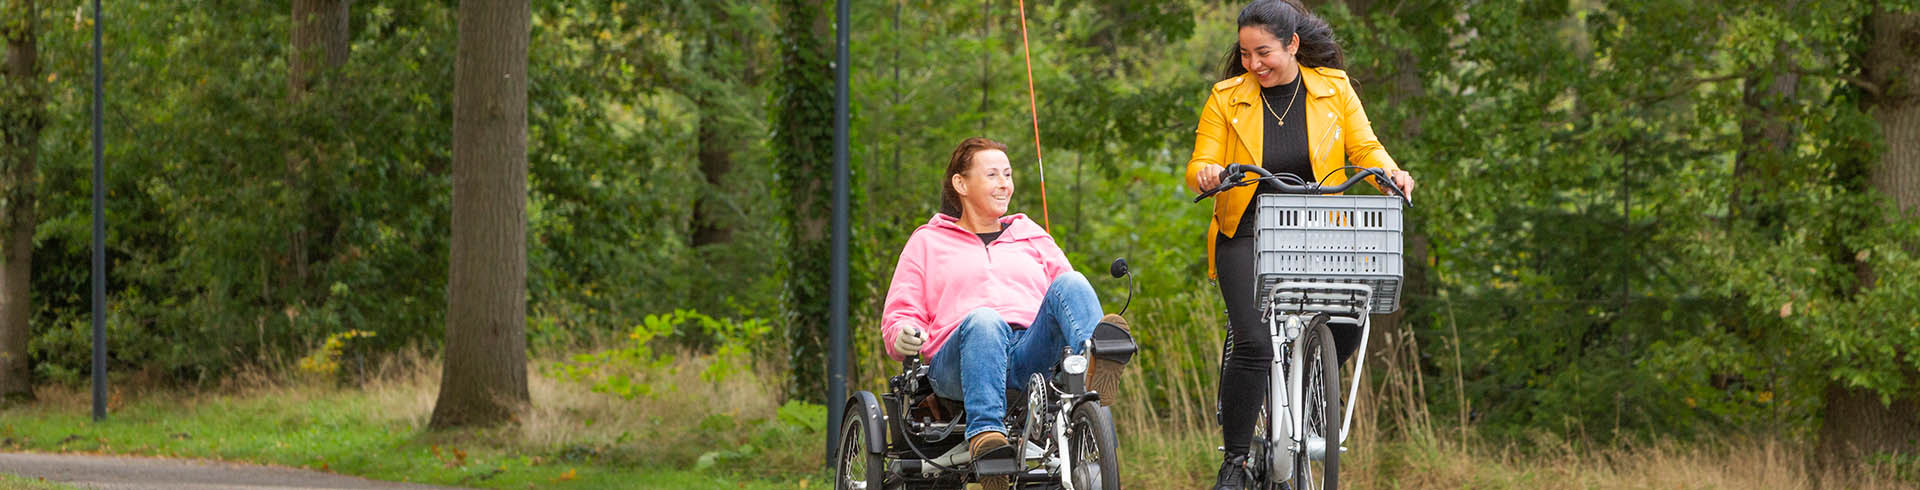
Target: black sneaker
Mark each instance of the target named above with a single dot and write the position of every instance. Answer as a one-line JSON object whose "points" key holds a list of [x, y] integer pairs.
{"points": [[1233, 474]]}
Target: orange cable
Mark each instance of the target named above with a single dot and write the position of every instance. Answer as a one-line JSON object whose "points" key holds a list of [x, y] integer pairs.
{"points": [[1034, 106]]}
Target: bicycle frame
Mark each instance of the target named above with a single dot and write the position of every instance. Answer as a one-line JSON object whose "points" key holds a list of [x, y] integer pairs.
{"points": [[1283, 331], [1282, 396]]}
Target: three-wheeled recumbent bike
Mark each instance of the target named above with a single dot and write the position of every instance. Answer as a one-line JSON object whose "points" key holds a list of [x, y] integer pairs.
{"points": [[910, 439]]}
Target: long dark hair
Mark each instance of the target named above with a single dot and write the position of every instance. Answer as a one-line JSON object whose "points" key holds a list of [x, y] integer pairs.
{"points": [[960, 162], [1283, 19]]}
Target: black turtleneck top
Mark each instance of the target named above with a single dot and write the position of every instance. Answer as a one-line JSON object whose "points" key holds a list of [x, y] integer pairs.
{"points": [[1283, 146]]}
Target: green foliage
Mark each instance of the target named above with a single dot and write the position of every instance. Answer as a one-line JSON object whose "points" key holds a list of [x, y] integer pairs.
{"points": [[232, 235], [796, 423], [617, 104], [1626, 226], [204, 210], [1617, 224], [629, 370], [325, 360]]}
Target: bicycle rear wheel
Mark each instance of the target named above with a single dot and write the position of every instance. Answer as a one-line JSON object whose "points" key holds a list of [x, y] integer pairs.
{"points": [[1318, 465]]}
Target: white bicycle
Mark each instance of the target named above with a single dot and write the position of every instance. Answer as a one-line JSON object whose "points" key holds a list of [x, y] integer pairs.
{"points": [[1323, 261]]}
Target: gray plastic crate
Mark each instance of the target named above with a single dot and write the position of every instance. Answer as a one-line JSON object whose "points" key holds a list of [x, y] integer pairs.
{"points": [[1352, 239]]}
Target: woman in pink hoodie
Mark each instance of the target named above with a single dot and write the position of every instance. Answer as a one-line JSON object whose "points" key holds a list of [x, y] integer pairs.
{"points": [[989, 299]]}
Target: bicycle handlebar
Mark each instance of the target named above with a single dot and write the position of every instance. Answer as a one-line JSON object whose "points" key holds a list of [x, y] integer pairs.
{"points": [[1235, 173]]}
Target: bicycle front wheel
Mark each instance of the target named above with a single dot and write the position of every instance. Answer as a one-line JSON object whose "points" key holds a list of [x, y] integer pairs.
{"points": [[1318, 463], [1094, 447]]}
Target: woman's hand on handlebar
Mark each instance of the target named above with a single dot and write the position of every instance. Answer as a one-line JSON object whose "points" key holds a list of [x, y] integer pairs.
{"points": [[1210, 176], [909, 341], [1404, 181]]}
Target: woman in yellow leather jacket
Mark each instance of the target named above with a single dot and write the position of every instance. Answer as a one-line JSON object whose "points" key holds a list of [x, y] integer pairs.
{"points": [[1286, 105]]}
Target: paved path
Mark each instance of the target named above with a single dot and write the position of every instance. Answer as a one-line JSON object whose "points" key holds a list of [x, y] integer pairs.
{"points": [[118, 473]]}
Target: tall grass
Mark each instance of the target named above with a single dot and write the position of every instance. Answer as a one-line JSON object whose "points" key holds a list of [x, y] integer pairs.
{"points": [[1165, 416], [1169, 435]]}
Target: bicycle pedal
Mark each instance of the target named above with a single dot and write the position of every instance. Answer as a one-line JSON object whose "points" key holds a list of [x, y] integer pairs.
{"points": [[996, 466], [1112, 342]]}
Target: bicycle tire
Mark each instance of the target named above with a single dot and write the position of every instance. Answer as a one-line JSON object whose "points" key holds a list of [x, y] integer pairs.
{"points": [[858, 466], [1321, 399], [1095, 452]]}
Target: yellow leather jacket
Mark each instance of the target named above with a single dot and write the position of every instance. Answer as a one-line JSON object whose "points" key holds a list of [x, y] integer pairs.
{"points": [[1337, 132]]}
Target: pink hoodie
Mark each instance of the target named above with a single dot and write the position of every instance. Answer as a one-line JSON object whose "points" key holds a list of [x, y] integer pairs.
{"points": [[945, 273]]}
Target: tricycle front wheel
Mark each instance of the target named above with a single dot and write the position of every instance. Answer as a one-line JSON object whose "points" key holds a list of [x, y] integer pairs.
{"points": [[1093, 448]]}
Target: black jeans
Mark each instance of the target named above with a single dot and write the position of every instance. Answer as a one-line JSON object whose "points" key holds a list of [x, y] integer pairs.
{"points": [[1243, 371]]}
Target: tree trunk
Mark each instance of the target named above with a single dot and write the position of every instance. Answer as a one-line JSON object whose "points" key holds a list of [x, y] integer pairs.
{"points": [[484, 381], [712, 225], [716, 160], [1893, 59], [320, 41], [20, 121], [986, 61], [1856, 423], [1765, 138], [804, 153]]}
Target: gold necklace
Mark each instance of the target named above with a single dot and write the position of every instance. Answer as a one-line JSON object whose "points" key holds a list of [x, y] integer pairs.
{"points": [[1283, 115]]}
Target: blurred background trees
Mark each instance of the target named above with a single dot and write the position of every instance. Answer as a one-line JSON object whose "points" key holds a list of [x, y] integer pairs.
{"points": [[1637, 217]]}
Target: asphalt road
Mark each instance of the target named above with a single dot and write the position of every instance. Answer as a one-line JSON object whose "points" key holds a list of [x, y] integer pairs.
{"points": [[117, 473]]}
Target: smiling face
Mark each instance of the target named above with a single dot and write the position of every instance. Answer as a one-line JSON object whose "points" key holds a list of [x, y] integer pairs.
{"points": [[987, 188], [1267, 57]]}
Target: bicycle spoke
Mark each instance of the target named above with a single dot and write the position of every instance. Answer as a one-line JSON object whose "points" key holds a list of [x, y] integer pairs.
{"points": [[853, 461]]}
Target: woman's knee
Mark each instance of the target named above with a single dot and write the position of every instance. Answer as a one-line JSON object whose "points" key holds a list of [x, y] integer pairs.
{"points": [[1249, 352], [984, 323], [1071, 279]]}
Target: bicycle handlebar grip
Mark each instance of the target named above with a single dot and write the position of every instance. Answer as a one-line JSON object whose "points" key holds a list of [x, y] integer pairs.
{"points": [[1226, 178], [1241, 168], [1386, 182]]}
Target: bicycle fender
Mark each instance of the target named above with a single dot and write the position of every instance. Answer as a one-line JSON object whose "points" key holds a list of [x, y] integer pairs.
{"points": [[863, 404]]}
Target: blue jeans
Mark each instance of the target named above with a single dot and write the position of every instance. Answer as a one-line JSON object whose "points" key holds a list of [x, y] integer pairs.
{"points": [[987, 357]]}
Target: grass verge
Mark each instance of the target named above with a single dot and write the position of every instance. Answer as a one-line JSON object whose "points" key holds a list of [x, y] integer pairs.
{"points": [[731, 433], [12, 482], [697, 436]]}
